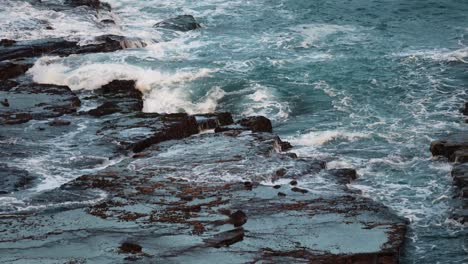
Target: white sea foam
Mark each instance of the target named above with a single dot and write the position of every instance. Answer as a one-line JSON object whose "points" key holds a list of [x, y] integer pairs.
{"points": [[317, 138], [166, 92], [459, 55], [313, 33], [264, 102]]}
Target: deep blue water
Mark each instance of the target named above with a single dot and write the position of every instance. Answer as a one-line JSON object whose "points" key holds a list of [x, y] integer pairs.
{"points": [[369, 83]]}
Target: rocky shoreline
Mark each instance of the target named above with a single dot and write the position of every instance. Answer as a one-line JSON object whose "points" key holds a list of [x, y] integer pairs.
{"points": [[147, 205], [454, 148]]}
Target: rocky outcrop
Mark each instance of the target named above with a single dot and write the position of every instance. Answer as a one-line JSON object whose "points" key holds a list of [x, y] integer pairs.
{"points": [[451, 147], [179, 23], [95, 4], [37, 101], [62, 47], [9, 70], [454, 147], [253, 123]]}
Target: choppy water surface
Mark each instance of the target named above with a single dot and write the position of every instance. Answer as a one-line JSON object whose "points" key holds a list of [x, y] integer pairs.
{"points": [[369, 82]]}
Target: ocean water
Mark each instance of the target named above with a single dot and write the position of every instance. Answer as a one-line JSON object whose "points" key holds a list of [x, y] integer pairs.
{"points": [[368, 83]]}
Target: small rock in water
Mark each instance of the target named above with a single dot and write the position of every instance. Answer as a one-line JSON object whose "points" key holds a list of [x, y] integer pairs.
{"points": [[281, 194], [130, 248], [106, 108], [5, 103], [225, 239], [257, 124], [277, 186], [58, 122], [238, 218], [293, 182], [108, 22], [7, 42], [296, 189], [179, 23]]}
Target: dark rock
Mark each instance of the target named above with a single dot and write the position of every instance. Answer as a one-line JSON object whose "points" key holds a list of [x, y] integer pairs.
{"points": [[254, 124], [106, 108], [226, 238], [108, 22], [344, 176], [460, 175], [211, 121], [238, 218], [62, 47], [10, 70], [281, 194], [179, 23], [37, 101], [6, 85], [58, 122], [153, 128], [460, 156], [451, 144], [130, 248], [7, 42], [465, 109], [464, 192], [5, 103], [277, 186], [281, 145], [49, 28], [296, 189], [280, 173], [13, 179], [257, 124], [95, 4], [293, 182]]}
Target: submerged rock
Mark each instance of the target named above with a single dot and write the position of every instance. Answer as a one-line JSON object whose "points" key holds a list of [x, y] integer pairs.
{"points": [[179, 23]]}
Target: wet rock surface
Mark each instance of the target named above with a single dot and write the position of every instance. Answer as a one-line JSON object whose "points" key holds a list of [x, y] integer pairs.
{"points": [[179, 23], [454, 147], [62, 47], [38, 102], [178, 216], [129, 180]]}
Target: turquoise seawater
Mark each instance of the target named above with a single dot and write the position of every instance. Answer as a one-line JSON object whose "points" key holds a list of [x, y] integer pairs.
{"points": [[367, 83]]}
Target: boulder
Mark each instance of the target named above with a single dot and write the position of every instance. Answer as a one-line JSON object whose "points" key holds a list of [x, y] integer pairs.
{"points": [[257, 124], [179, 23]]}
